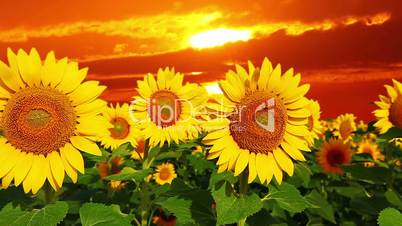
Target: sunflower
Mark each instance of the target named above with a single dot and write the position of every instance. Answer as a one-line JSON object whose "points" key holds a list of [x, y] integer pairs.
{"points": [[165, 174], [333, 154], [123, 129], [345, 125], [166, 109], [263, 123], [138, 153], [314, 124], [366, 147], [389, 113], [47, 114]]}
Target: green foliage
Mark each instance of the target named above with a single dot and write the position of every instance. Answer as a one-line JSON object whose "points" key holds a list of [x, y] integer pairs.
{"points": [[288, 198], [390, 217], [231, 208], [50, 215], [96, 214], [130, 174]]}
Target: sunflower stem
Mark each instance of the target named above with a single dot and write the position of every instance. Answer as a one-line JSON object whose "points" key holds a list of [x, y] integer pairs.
{"points": [[243, 189], [50, 194]]}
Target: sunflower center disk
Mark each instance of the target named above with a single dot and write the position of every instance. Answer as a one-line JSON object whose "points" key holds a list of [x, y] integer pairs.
{"points": [[38, 120], [121, 128], [395, 112], [164, 174], [165, 108], [259, 123], [336, 157]]}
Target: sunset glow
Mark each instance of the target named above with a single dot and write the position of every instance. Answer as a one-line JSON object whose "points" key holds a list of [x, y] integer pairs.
{"points": [[218, 37]]}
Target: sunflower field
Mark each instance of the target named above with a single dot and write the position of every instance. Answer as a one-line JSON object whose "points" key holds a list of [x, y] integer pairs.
{"points": [[258, 154]]}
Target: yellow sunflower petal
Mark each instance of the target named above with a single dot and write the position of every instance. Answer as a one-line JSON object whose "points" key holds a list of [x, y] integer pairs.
{"points": [[86, 92], [74, 157], [283, 161], [24, 165], [252, 169], [56, 166], [85, 145], [242, 162], [276, 170], [38, 173]]}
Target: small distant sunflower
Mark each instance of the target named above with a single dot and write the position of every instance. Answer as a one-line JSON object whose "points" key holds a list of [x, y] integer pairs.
{"points": [[389, 113], [197, 149], [263, 125], [165, 173], [139, 149], [314, 124], [334, 154], [117, 185], [372, 149], [166, 109], [345, 125], [123, 129], [47, 114]]}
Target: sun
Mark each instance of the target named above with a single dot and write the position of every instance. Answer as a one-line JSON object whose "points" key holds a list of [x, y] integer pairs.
{"points": [[218, 37]]}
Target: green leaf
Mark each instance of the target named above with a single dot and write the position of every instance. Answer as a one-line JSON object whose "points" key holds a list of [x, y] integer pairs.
{"points": [[352, 191], [181, 208], [369, 205], [231, 209], [128, 173], [394, 198], [389, 217], [200, 209], [123, 150], [373, 175], [50, 215], [96, 214], [324, 209], [200, 164], [220, 178], [288, 198], [302, 175]]}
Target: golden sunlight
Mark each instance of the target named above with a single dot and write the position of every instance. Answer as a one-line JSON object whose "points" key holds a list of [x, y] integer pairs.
{"points": [[218, 37]]}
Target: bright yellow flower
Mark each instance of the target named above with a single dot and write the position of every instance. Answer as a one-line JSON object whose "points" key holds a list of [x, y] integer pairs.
{"points": [[166, 109], [314, 124], [264, 124], [345, 125], [123, 129], [117, 185], [197, 149], [165, 173], [372, 149], [47, 114], [389, 113]]}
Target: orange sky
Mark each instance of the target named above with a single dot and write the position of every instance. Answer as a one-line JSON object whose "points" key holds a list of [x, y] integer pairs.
{"points": [[346, 49]]}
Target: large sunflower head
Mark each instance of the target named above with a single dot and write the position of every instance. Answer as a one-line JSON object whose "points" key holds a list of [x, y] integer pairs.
{"points": [[389, 113], [333, 154], [345, 125], [166, 109], [165, 173], [263, 124], [47, 114], [123, 129], [314, 124]]}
